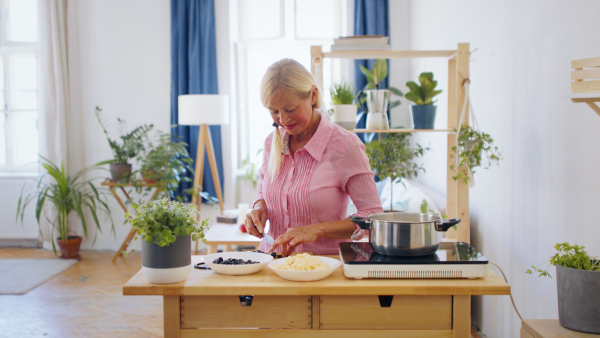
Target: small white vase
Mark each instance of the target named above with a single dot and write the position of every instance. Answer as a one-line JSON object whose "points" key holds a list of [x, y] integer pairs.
{"points": [[344, 115]]}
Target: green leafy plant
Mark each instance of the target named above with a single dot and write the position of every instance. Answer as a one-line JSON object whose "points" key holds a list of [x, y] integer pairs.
{"points": [[65, 193], [474, 149], [250, 171], [423, 93], [164, 162], [569, 256], [374, 78], [162, 221], [425, 210], [342, 93], [393, 157], [131, 143]]}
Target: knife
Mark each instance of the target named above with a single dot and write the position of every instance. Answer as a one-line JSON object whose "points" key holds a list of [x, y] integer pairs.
{"points": [[268, 239]]}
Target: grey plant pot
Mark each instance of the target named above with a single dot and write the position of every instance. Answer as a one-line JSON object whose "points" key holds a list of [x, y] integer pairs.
{"points": [[578, 299], [423, 116], [120, 173], [167, 264]]}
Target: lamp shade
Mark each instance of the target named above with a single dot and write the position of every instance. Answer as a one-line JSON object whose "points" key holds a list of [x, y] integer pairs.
{"points": [[196, 109]]}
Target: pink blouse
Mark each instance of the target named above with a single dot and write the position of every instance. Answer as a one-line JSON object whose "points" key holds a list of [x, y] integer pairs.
{"points": [[314, 185]]}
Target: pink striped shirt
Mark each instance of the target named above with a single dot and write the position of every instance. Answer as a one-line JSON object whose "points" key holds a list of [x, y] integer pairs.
{"points": [[314, 185]]}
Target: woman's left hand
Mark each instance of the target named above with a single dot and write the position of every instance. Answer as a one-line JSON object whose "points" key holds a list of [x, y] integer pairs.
{"points": [[294, 237]]}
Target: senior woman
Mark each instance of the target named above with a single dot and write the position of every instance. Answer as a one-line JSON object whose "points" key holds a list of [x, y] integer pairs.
{"points": [[311, 167]]}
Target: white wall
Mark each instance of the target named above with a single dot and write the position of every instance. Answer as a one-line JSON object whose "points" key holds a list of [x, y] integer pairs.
{"points": [[123, 49], [547, 187]]}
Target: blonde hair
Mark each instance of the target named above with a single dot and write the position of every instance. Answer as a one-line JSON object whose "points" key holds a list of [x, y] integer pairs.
{"points": [[291, 76]]}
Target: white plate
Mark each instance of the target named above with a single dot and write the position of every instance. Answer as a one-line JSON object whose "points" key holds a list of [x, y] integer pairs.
{"points": [[235, 270], [305, 276]]}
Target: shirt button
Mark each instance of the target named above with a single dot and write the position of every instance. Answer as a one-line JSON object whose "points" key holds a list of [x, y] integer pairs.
{"points": [[286, 213]]}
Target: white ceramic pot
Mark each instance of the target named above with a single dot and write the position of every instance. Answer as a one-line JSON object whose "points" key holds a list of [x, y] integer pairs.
{"points": [[344, 115]]}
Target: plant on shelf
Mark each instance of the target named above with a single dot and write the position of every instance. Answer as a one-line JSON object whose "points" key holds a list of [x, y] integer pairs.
{"points": [[164, 162], [130, 145], [343, 111], [393, 157], [375, 76], [422, 94], [578, 286], [58, 194], [166, 229], [474, 149]]}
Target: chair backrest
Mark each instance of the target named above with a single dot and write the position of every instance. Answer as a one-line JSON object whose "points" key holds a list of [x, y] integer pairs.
{"points": [[585, 75]]}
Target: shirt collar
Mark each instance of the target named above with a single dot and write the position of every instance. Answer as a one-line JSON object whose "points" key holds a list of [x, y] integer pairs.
{"points": [[317, 143]]}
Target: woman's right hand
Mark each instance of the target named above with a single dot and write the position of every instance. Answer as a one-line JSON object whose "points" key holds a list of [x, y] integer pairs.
{"points": [[256, 219]]}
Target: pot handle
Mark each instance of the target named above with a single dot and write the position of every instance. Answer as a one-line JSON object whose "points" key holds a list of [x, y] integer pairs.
{"points": [[363, 222], [446, 224]]}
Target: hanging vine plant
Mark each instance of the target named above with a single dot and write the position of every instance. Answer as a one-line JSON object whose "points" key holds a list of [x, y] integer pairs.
{"points": [[474, 149]]}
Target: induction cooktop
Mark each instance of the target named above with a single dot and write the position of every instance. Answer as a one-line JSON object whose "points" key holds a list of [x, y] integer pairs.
{"points": [[451, 260]]}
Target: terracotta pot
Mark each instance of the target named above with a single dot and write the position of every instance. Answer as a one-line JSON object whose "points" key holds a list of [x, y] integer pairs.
{"points": [[150, 177], [69, 248]]}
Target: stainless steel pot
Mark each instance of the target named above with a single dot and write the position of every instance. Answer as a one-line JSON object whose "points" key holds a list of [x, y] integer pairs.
{"points": [[404, 234]]}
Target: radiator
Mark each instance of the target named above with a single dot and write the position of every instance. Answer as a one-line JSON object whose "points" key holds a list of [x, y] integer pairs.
{"points": [[10, 190]]}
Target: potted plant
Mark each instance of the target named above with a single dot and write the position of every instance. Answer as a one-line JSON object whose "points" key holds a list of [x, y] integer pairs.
{"points": [[65, 194], [164, 162], [343, 108], [131, 144], [474, 149], [377, 99], [423, 111], [393, 157], [167, 229], [578, 287]]}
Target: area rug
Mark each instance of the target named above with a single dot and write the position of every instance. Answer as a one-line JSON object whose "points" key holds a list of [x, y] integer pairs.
{"points": [[19, 276]]}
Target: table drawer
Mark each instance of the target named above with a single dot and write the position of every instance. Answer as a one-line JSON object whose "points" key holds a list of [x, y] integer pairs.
{"points": [[370, 312], [284, 312]]}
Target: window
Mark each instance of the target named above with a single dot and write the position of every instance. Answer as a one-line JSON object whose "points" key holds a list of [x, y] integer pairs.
{"points": [[18, 86], [266, 31]]}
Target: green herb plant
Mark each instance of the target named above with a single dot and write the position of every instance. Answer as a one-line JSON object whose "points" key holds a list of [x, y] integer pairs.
{"points": [[425, 210], [250, 171], [393, 157], [474, 149], [131, 143], [164, 162], [342, 93], [162, 221], [65, 193], [425, 92], [569, 256], [374, 78]]}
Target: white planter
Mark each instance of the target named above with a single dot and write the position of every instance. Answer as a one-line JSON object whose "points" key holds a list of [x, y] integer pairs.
{"points": [[344, 115]]}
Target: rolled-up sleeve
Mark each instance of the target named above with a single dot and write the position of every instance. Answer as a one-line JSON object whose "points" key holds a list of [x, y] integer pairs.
{"points": [[357, 178]]}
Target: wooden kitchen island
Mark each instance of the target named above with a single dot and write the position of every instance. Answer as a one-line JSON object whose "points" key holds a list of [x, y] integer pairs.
{"points": [[208, 304]]}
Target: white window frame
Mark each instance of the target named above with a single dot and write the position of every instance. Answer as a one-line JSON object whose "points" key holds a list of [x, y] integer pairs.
{"points": [[8, 48], [240, 73]]}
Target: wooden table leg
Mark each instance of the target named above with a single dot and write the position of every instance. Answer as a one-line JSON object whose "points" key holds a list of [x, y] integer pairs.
{"points": [[172, 315], [461, 316], [212, 248], [124, 245]]}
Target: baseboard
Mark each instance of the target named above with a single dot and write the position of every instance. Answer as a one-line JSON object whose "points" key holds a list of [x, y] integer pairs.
{"points": [[19, 243]]}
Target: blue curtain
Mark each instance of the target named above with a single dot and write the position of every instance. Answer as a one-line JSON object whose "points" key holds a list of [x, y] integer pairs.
{"points": [[194, 71], [371, 17]]}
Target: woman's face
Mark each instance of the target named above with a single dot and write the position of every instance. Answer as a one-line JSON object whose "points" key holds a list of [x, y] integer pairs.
{"points": [[291, 113]]}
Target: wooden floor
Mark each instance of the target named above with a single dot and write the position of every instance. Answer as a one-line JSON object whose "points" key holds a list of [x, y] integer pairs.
{"points": [[85, 300]]}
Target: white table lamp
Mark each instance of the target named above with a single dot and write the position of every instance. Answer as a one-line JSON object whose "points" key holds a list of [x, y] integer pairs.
{"points": [[204, 110]]}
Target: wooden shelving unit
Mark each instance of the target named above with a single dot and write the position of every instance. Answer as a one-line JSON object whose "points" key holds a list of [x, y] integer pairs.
{"points": [[457, 194], [586, 82]]}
